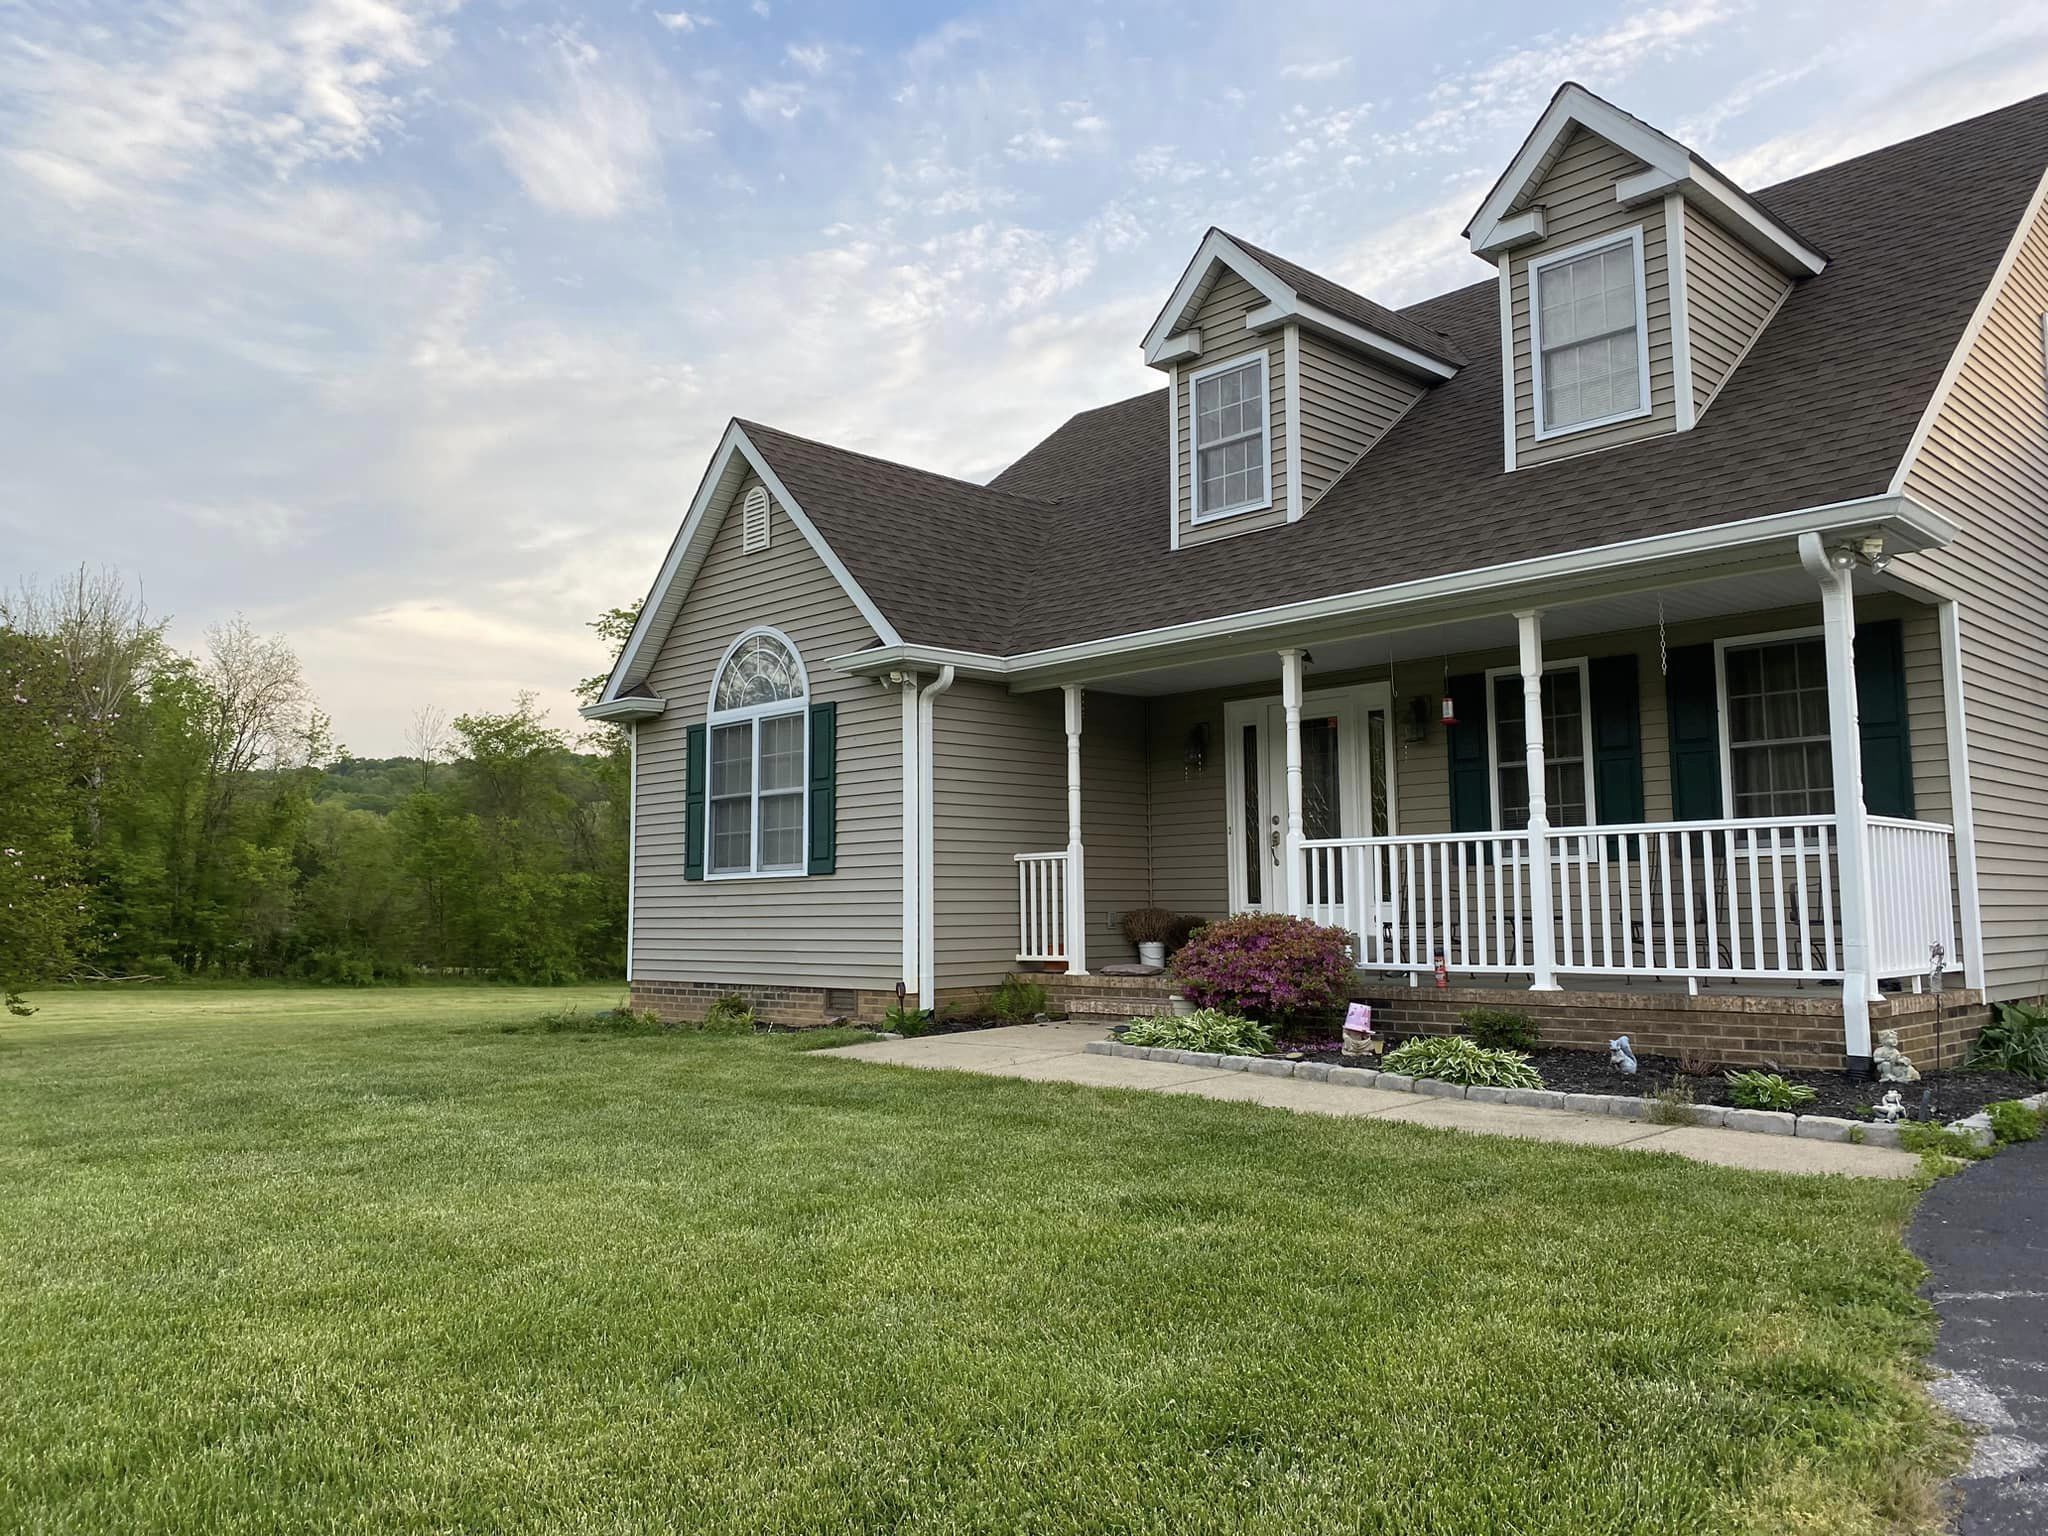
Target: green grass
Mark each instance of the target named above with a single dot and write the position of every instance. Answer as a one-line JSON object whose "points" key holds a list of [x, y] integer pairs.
{"points": [[341, 1262]]}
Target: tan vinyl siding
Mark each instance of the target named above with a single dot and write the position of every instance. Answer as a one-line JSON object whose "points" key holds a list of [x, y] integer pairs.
{"points": [[1220, 317], [1189, 872], [1578, 202], [1985, 465], [999, 788], [1730, 292], [839, 930], [1347, 405]]}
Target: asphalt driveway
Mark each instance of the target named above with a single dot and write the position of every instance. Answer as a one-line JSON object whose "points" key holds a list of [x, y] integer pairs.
{"points": [[1984, 1233]]}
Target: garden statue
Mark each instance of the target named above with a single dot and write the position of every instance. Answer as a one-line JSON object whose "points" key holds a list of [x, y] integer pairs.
{"points": [[1621, 1054], [1891, 1109], [1358, 1036], [1893, 1065]]}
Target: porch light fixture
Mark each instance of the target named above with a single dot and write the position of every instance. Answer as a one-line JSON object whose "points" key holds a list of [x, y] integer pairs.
{"points": [[1870, 550], [1194, 752]]}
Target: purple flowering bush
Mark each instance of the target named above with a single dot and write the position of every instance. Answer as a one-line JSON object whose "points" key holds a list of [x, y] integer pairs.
{"points": [[1265, 965]]}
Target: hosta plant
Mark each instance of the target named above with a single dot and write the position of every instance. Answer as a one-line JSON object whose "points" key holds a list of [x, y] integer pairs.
{"points": [[1266, 966], [2015, 1041], [1206, 1029], [1767, 1090], [1455, 1059]]}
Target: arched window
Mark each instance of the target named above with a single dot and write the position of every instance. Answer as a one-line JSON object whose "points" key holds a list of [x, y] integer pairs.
{"points": [[759, 759]]}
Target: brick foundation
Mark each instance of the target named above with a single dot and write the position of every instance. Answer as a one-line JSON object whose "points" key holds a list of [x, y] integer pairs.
{"points": [[784, 1007], [1734, 1029]]}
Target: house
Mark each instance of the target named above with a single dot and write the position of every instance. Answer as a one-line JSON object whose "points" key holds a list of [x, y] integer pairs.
{"points": [[1742, 494]]}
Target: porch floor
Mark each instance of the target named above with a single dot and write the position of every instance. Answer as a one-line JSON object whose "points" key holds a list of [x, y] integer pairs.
{"points": [[1057, 1053]]}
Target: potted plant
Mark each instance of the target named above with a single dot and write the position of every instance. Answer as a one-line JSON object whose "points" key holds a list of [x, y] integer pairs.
{"points": [[1149, 928]]}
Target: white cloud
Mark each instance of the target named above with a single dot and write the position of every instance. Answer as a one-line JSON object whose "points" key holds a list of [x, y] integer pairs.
{"points": [[590, 150], [96, 110], [777, 102], [684, 21], [1316, 69]]}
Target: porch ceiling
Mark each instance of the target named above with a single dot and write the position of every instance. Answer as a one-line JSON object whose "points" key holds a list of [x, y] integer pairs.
{"points": [[1751, 592]]}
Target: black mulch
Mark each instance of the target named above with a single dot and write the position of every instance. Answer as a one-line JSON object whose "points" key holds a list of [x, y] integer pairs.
{"points": [[1944, 1096]]}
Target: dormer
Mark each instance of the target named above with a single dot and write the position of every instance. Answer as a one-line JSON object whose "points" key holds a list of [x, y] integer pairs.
{"points": [[1633, 279], [1281, 380]]}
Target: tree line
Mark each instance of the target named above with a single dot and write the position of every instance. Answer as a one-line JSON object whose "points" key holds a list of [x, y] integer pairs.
{"points": [[190, 816]]}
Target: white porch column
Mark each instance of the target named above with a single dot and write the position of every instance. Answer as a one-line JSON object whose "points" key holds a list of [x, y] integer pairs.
{"points": [[1077, 877], [1290, 698], [1542, 937], [1845, 743]]}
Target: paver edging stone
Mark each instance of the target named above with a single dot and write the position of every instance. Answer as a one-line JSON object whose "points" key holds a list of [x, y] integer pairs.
{"points": [[1766, 1122]]}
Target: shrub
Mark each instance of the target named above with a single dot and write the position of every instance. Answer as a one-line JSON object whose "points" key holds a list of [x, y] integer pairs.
{"points": [[1206, 1029], [1148, 925], [1500, 1029], [1673, 1105], [1017, 998], [1454, 1059], [603, 1021], [2015, 1041], [732, 1014], [1767, 1090], [2013, 1121], [1942, 1140], [907, 1021], [1266, 966]]}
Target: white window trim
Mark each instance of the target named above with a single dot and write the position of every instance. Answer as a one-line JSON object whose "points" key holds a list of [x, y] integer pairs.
{"points": [[1633, 238], [1198, 514], [1576, 664], [752, 715], [1721, 649]]}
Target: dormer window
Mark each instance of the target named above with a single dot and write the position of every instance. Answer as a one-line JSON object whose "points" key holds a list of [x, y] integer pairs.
{"points": [[1592, 350], [1231, 459]]}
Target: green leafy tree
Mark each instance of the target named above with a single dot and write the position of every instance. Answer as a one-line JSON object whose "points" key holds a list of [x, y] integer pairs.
{"points": [[41, 902]]}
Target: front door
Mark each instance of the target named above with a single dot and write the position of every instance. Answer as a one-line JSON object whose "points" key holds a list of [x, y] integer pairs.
{"points": [[1346, 786]]}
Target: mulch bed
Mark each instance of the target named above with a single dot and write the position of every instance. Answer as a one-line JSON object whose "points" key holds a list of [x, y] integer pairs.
{"points": [[1939, 1095]]}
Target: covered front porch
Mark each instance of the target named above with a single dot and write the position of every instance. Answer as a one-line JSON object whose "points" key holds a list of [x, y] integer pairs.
{"points": [[1728, 798]]}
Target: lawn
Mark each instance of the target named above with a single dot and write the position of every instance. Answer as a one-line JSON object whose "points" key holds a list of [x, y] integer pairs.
{"points": [[293, 1260]]}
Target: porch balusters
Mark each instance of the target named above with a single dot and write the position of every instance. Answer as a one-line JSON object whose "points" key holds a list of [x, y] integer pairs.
{"points": [[1831, 569], [1542, 938], [1077, 884]]}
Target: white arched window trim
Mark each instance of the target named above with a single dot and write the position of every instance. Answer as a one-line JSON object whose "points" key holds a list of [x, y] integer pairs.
{"points": [[758, 727]]}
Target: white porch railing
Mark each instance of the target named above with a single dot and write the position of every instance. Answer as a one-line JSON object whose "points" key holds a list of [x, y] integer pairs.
{"points": [[1748, 900], [1042, 906], [1911, 889]]}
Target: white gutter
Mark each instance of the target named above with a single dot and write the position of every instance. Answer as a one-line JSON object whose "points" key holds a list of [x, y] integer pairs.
{"points": [[632, 707], [1910, 526], [927, 982]]}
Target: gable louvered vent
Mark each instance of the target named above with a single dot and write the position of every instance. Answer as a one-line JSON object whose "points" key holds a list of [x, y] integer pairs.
{"points": [[754, 520]]}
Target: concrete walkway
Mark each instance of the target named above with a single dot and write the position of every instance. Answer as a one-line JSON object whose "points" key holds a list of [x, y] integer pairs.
{"points": [[1056, 1053], [1984, 1236]]}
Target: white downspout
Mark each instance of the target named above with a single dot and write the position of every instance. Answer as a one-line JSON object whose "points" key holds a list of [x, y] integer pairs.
{"points": [[1961, 811], [912, 778], [927, 980], [632, 837]]}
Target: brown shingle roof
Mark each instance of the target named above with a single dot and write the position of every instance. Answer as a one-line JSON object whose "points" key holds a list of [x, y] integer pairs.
{"points": [[1355, 307], [1070, 542]]}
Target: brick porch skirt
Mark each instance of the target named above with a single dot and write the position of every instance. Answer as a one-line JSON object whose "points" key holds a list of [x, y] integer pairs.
{"points": [[1738, 1029]]}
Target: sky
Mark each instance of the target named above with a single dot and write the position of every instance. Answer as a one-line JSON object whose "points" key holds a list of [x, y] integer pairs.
{"points": [[406, 329]]}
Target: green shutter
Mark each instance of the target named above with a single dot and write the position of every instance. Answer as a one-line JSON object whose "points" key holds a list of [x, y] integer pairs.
{"points": [[824, 858], [1465, 751], [1881, 711], [1693, 702], [693, 804], [1617, 739]]}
